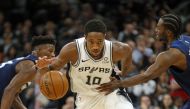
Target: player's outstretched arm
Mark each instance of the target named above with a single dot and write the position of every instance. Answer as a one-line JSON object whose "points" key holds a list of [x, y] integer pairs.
{"points": [[25, 72], [44, 65], [163, 61]]}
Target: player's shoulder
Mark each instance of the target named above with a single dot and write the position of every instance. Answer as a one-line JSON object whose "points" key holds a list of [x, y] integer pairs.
{"points": [[70, 50], [121, 46], [70, 46], [25, 64], [172, 53]]}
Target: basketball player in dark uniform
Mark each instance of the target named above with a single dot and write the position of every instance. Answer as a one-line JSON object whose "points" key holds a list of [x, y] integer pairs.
{"points": [[18, 72], [176, 58]]}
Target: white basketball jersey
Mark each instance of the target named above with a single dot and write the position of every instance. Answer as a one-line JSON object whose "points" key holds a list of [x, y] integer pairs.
{"points": [[88, 73]]}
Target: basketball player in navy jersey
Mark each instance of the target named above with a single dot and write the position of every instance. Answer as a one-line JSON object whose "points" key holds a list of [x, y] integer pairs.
{"points": [[176, 58], [18, 72], [91, 59]]}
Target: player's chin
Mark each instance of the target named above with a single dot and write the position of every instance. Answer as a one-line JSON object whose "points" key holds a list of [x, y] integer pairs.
{"points": [[95, 54]]}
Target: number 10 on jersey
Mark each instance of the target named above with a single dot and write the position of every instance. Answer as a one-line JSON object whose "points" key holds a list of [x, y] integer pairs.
{"points": [[93, 80]]}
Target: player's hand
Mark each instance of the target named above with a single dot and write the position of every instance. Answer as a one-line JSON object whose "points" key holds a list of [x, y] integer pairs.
{"points": [[110, 86], [43, 62]]}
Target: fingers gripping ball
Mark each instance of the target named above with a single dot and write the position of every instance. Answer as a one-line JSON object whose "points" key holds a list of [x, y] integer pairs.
{"points": [[54, 85]]}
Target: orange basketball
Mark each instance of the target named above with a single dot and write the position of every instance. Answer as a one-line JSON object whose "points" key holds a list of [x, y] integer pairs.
{"points": [[54, 85]]}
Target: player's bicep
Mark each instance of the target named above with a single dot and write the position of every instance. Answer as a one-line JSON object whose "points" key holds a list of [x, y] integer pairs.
{"points": [[162, 63], [126, 59], [25, 74], [165, 59], [64, 56]]}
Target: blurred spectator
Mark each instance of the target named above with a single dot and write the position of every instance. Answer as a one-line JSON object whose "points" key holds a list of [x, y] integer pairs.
{"points": [[142, 53], [147, 88], [129, 32], [40, 100], [88, 13], [11, 53], [1, 23], [25, 35], [7, 27], [176, 91], [145, 103], [69, 30], [7, 41], [167, 102], [162, 86], [187, 27], [50, 29], [27, 48], [178, 102]]}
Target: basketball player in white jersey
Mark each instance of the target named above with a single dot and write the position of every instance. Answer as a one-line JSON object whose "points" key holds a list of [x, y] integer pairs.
{"points": [[92, 59]]}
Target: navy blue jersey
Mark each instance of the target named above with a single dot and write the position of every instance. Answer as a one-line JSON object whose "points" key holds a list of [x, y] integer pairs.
{"points": [[182, 77], [7, 71]]}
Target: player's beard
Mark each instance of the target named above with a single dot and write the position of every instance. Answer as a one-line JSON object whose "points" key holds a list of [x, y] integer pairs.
{"points": [[164, 40]]}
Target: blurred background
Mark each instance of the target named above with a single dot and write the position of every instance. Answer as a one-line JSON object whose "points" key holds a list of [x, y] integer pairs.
{"points": [[128, 21]]}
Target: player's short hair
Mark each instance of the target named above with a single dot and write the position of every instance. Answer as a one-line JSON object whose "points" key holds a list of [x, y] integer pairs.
{"points": [[39, 40], [173, 23], [95, 25]]}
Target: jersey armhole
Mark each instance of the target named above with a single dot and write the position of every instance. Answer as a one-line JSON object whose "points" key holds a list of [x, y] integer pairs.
{"points": [[111, 55]]}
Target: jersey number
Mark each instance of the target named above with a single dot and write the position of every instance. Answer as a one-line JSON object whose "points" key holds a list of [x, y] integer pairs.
{"points": [[3, 64], [93, 80], [9, 62]]}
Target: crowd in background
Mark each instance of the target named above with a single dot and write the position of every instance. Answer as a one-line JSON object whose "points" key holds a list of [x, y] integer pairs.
{"points": [[128, 21]]}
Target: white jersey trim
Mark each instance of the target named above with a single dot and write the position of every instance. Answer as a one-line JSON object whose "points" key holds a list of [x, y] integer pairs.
{"points": [[79, 55]]}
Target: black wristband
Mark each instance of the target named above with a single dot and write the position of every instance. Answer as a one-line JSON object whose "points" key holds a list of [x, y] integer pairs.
{"points": [[50, 67]]}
